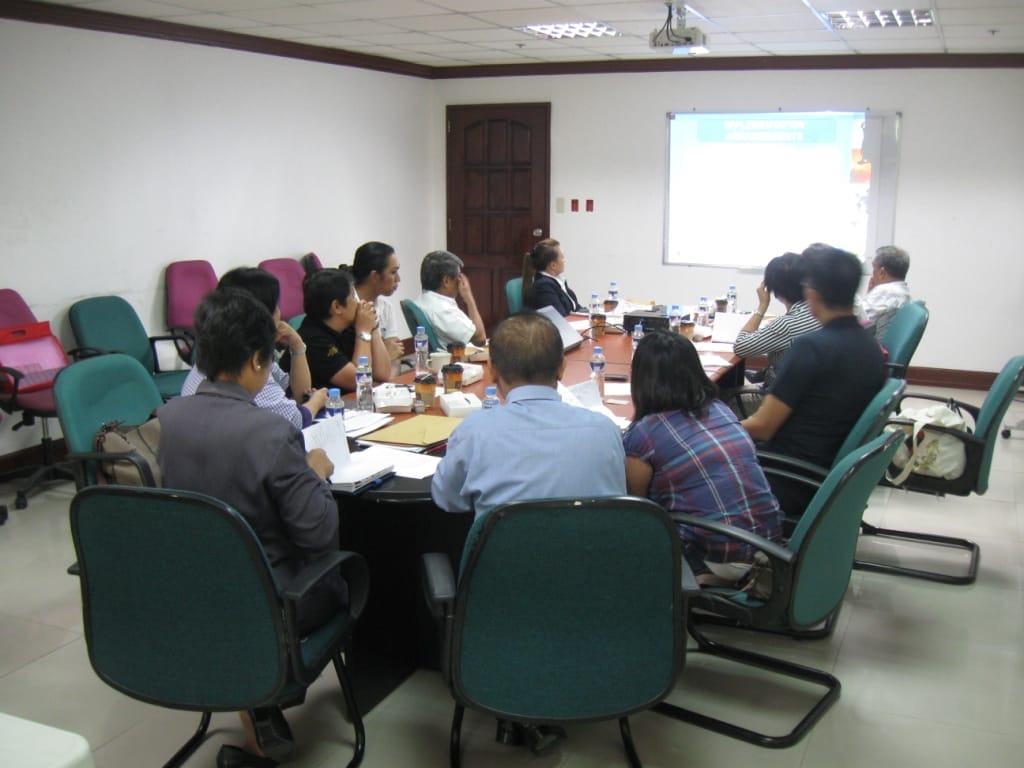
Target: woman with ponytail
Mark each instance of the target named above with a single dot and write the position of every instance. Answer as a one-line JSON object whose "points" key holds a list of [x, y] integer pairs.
{"points": [[543, 281]]}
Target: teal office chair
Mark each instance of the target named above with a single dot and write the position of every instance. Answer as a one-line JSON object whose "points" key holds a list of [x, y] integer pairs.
{"points": [[93, 392], [903, 334], [514, 295], [979, 446], [565, 611], [110, 324], [810, 574], [414, 316], [182, 609], [296, 321]]}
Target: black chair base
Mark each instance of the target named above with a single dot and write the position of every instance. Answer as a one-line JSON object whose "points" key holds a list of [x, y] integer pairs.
{"points": [[817, 632], [37, 479], [925, 538], [455, 740], [789, 669], [192, 744]]}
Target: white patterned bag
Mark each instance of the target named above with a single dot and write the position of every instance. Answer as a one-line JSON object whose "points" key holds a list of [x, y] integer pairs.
{"points": [[935, 454]]}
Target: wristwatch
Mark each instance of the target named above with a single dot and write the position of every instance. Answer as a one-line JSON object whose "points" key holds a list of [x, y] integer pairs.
{"points": [[365, 336]]}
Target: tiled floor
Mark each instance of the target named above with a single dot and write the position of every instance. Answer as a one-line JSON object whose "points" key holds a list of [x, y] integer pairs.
{"points": [[932, 675]]}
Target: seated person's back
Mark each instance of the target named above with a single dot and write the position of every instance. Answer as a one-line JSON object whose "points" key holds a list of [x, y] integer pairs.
{"points": [[686, 451], [534, 446], [829, 376]]}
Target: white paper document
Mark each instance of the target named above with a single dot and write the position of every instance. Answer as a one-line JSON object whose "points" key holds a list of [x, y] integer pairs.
{"points": [[363, 422], [585, 395], [352, 471]]}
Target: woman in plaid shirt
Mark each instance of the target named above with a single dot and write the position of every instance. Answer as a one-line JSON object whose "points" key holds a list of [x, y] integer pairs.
{"points": [[687, 451]]}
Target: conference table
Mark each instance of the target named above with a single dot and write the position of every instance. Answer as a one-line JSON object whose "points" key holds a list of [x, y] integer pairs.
{"points": [[394, 524]]}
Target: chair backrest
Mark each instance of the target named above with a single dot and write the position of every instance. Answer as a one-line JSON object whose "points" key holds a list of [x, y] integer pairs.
{"points": [[186, 283], [99, 389], [110, 323], [514, 295], [290, 275], [904, 333], [414, 316], [825, 539], [179, 603], [569, 610], [992, 411], [35, 352], [13, 309], [872, 421]]}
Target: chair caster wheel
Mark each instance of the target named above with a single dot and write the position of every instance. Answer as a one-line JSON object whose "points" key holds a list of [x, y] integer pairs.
{"points": [[21, 500], [3, 514], [1005, 433]]}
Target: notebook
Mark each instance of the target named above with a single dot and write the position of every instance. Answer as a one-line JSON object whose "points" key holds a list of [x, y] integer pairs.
{"points": [[352, 471], [571, 338], [727, 326]]}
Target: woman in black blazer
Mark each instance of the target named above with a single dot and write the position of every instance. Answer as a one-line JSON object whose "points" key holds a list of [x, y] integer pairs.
{"points": [[543, 284]]}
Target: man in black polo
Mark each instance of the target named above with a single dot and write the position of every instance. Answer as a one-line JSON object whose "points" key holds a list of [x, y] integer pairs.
{"points": [[827, 378]]}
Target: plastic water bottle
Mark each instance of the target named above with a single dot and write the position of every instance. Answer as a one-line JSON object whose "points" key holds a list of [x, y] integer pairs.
{"points": [[335, 406], [613, 292], [730, 295], [675, 316], [703, 310], [421, 345], [597, 369], [596, 307], [638, 334], [364, 385], [491, 397]]}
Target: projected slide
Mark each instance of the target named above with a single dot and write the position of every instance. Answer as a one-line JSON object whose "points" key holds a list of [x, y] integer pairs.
{"points": [[744, 188]]}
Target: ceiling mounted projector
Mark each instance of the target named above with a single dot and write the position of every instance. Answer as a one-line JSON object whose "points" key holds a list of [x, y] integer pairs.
{"points": [[676, 35]]}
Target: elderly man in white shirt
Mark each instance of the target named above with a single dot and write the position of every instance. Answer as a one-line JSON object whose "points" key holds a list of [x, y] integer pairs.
{"points": [[887, 289], [442, 280]]}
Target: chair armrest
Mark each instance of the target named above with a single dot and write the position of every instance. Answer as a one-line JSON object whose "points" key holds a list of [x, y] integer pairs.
{"points": [[130, 456], [952, 403], [782, 462], [17, 376], [773, 550], [80, 353], [353, 569], [438, 584], [175, 338], [689, 584]]}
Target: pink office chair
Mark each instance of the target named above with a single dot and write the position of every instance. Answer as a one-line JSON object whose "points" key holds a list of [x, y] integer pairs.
{"points": [[186, 283], [290, 275], [30, 357]]}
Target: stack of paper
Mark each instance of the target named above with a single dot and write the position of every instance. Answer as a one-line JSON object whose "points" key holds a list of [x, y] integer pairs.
{"points": [[352, 471]]}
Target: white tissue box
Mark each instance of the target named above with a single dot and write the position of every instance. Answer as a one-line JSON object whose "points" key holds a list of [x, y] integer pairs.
{"points": [[459, 404], [391, 398], [471, 373]]}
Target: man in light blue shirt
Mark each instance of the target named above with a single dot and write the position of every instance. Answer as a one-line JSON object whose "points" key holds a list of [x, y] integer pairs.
{"points": [[535, 446]]}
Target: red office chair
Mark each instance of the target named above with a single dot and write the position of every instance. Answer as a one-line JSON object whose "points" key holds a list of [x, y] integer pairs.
{"points": [[30, 357], [186, 283], [290, 275]]}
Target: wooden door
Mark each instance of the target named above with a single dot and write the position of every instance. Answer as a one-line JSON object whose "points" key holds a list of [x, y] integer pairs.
{"points": [[498, 164]]}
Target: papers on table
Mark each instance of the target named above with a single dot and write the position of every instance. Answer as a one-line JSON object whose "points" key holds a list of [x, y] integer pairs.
{"points": [[421, 431], [352, 471], [585, 395], [407, 463], [727, 326], [360, 422]]}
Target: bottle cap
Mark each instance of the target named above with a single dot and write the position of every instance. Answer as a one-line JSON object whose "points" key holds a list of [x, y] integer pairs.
{"points": [[491, 390], [598, 350], [419, 329], [333, 392], [364, 360]]}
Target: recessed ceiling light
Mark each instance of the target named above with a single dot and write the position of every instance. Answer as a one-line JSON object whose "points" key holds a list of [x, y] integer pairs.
{"points": [[843, 20], [571, 29]]}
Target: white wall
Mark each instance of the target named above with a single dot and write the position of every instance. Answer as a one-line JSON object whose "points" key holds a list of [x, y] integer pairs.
{"points": [[960, 194], [119, 155]]}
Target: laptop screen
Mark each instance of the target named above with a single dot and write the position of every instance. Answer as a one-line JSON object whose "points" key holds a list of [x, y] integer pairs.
{"points": [[571, 338]]}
